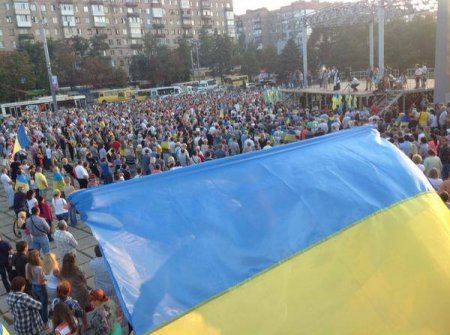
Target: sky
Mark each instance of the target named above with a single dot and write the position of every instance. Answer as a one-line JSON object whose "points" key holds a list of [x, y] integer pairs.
{"points": [[240, 6]]}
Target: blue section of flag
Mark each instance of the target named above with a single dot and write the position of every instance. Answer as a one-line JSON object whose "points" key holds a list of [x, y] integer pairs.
{"points": [[176, 239], [23, 138]]}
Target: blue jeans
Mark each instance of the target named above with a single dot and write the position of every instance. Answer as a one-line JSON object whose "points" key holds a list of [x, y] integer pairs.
{"points": [[445, 171], [41, 243], [40, 293], [73, 216], [64, 217]]}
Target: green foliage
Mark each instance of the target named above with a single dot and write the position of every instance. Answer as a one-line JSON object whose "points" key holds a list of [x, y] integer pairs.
{"points": [[16, 75], [407, 42], [289, 60], [269, 59], [76, 61], [161, 65], [250, 61]]}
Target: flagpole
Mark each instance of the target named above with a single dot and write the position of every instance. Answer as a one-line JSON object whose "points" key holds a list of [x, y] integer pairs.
{"points": [[47, 58]]}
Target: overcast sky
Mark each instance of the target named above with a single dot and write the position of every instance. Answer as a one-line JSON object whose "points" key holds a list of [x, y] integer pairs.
{"points": [[240, 6]]}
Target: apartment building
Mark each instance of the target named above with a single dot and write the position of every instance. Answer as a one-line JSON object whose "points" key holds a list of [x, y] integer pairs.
{"points": [[264, 27], [125, 22]]}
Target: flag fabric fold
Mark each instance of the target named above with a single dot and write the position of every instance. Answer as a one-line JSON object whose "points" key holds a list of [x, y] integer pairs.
{"points": [[22, 142], [340, 234]]}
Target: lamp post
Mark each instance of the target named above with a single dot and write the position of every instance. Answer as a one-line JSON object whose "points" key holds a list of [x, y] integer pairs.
{"points": [[47, 58]]}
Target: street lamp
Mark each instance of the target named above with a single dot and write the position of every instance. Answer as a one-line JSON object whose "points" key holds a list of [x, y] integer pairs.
{"points": [[51, 79]]}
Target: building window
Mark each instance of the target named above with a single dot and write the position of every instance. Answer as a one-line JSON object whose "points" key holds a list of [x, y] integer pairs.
{"points": [[43, 8], [1, 45], [9, 19], [12, 32], [55, 20], [86, 9]]}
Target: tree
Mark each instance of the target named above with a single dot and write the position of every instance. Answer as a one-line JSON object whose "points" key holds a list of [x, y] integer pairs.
{"points": [[222, 53], [250, 60], [98, 45], [65, 63], [183, 55], [269, 58], [80, 45], [139, 67], [289, 59], [17, 76], [206, 48]]}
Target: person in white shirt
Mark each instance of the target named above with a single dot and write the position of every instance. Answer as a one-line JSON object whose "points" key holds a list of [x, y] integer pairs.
{"points": [[8, 186], [418, 75], [64, 241], [60, 206], [81, 174]]}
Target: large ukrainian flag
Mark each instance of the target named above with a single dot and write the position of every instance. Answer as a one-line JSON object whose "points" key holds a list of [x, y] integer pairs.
{"points": [[341, 234]]}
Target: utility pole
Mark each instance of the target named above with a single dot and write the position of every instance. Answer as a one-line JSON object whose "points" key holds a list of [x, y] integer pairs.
{"points": [[47, 58], [381, 36]]}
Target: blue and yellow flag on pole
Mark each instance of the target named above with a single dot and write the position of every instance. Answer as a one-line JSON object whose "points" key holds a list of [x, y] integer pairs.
{"points": [[341, 234], [22, 142]]}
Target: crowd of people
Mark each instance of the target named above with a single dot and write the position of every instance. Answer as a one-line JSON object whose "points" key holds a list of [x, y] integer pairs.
{"points": [[112, 143]]}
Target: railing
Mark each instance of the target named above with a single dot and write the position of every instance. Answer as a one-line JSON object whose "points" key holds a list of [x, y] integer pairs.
{"points": [[411, 73]]}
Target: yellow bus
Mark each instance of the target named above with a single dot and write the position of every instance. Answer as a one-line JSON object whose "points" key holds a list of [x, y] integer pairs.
{"points": [[114, 95], [235, 81]]}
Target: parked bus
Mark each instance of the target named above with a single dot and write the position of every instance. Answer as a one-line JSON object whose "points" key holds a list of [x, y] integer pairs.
{"points": [[207, 84], [112, 95], [235, 81], [42, 104], [165, 91]]}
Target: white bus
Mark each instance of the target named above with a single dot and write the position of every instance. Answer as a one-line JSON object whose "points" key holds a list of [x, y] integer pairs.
{"points": [[41, 104], [165, 91]]}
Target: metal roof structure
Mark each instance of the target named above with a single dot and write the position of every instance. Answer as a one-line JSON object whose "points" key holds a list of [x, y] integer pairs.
{"points": [[365, 11]]}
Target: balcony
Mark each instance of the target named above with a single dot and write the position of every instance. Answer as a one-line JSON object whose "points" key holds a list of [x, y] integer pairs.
{"points": [[131, 3], [159, 35], [206, 5], [136, 46], [158, 25], [96, 2], [186, 15], [207, 24], [188, 36], [27, 36], [65, 2], [133, 14], [186, 24], [156, 4], [206, 14]]}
